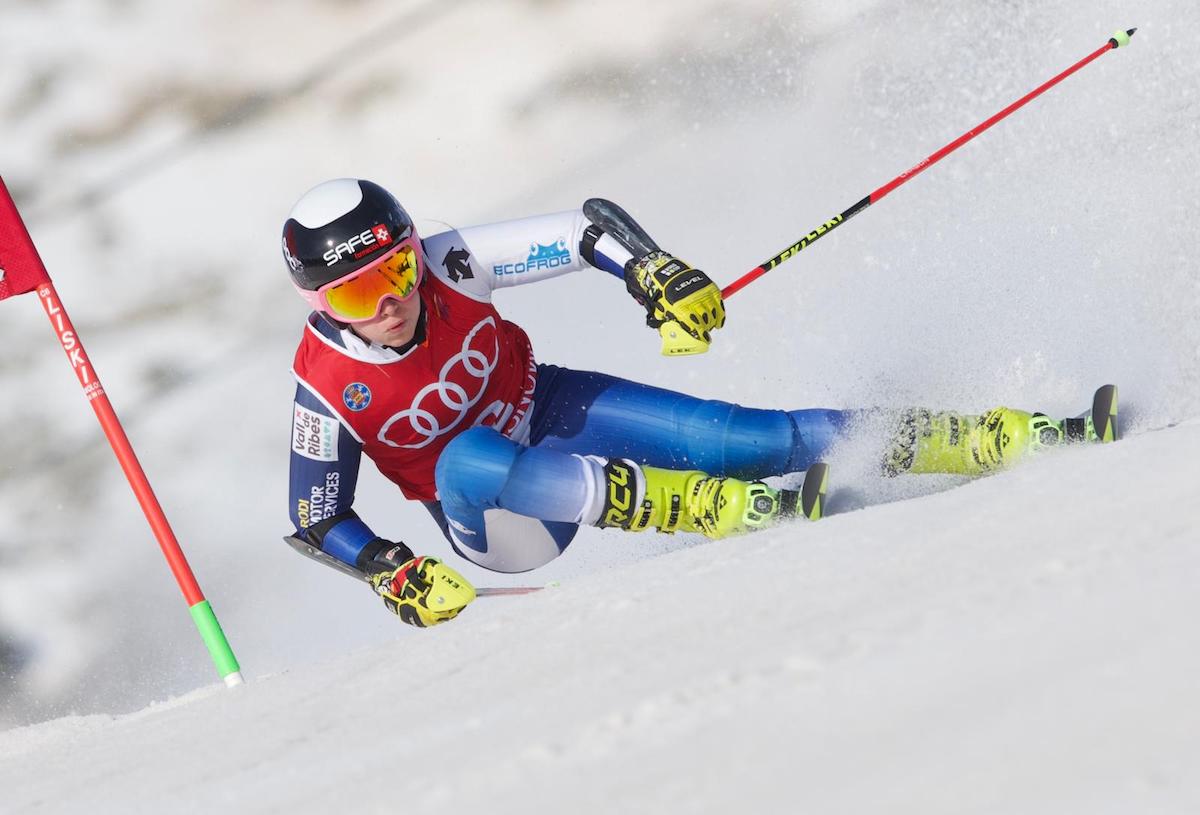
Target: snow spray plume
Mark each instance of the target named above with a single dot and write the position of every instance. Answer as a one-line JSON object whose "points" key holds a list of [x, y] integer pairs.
{"points": [[22, 271], [1118, 39]]}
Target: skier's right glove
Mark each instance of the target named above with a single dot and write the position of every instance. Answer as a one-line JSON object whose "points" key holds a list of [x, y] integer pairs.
{"points": [[681, 302], [424, 591]]}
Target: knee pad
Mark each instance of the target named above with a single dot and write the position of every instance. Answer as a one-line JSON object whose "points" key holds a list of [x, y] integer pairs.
{"points": [[471, 474]]}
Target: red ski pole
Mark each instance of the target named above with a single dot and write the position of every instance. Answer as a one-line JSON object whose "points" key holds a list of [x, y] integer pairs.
{"points": [[1118, 39], [21, 271]]}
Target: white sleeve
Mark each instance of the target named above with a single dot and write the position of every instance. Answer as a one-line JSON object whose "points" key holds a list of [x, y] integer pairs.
{"points": [[479, 259]]}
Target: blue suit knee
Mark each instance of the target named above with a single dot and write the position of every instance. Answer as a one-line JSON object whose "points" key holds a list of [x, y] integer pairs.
{"points": [[474, 467]]}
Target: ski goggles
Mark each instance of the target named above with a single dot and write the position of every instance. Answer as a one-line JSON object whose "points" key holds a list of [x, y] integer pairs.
{"points": [[358, 296]]}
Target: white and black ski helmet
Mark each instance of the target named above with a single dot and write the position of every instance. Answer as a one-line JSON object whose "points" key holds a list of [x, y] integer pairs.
{"points": [[340, 226]]}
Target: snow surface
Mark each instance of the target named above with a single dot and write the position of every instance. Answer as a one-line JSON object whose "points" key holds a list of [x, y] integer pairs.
{"points": [[1016, 644], [945, 654]]}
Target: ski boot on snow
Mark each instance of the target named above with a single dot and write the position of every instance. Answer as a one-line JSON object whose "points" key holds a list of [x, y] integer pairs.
{"points": [[927, 442], [638, 497]]}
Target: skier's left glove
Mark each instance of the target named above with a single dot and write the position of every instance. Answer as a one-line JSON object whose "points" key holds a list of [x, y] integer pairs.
{"points": [[681, 302], [424, 591]]}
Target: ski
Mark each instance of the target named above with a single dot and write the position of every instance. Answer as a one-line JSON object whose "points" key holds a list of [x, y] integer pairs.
{"points": [[808, 501], [504, 591], [309, 551]]}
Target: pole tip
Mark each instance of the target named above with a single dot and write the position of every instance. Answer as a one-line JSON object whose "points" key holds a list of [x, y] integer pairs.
{"points": [[234, 679], [1121, 38]]}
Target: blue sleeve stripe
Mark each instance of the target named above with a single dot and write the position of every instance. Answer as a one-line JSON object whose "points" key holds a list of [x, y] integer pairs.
{"points": [[611, 256], [346, 539], [609, 265]]}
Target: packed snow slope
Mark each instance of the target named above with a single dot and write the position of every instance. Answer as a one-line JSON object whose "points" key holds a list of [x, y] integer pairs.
{"points": [[946, 654], [1019, 639]]}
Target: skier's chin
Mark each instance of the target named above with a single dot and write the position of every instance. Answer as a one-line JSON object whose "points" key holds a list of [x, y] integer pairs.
{"points": [[393, 331], [399, 332]]}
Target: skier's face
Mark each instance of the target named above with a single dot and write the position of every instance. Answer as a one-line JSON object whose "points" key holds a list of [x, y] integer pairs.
{"points": [[394, 325]]}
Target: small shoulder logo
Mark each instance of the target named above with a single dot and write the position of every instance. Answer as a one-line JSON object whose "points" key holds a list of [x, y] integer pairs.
{"points": [[356, 396], [458, 264]]}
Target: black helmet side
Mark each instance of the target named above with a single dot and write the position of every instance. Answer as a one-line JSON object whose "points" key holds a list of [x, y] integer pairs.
{"points": [[338, 227]]}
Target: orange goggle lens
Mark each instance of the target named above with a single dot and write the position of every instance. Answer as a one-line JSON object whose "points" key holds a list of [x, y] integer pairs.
{"points": [[359, 297]]}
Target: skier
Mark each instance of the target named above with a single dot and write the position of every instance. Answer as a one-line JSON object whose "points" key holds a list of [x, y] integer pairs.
{"points": [[404, 358]]}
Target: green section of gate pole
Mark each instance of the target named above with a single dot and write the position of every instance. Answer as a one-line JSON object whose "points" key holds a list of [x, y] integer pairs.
{"points": [[218, 646]]}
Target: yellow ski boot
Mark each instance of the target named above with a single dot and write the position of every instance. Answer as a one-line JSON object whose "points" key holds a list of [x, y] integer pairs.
{"points": [[640, 496], [927, 442]]}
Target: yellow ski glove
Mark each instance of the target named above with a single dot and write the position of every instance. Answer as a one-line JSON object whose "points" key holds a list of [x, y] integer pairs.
{"points": [[424, 591], [681, 302]]}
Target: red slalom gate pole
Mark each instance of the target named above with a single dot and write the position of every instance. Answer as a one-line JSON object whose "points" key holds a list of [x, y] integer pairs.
{"points": [[21, 271], [1118, 39]]}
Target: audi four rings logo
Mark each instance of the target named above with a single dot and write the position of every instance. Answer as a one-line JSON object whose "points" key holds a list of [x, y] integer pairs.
{"points": [[446, 397]]}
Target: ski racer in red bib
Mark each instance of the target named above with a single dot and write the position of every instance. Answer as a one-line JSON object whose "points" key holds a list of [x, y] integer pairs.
{"points": [[405, 359]]}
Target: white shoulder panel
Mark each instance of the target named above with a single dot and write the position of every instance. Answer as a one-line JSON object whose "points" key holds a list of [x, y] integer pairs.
{"points": [[449, 258], [479, 259]]}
